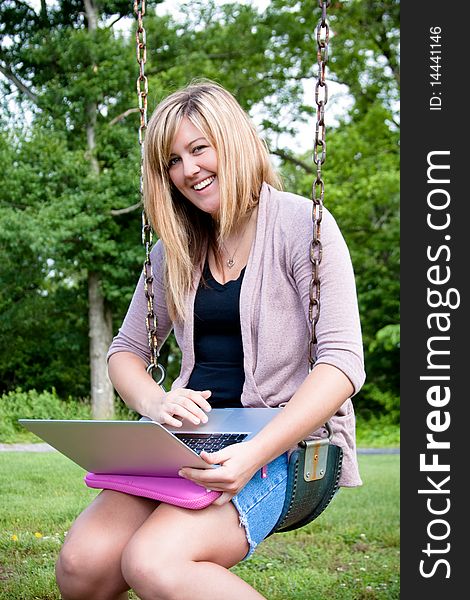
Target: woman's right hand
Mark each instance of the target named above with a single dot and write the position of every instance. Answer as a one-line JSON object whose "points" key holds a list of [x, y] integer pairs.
{"points": [[178, 405], [128, 373]]}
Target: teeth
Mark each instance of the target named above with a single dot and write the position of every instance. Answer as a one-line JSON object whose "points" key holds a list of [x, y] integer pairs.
{"points": [[202, 184]]}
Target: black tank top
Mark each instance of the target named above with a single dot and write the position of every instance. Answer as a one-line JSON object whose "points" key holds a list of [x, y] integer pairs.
{"points": [[218, 341]]}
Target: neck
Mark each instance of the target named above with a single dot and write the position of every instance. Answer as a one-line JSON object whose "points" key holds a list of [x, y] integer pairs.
{"points": [[230, 256]]}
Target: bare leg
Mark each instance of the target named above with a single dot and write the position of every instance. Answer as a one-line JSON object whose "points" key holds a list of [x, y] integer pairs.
{"points": [[88, 567], [181, 554]]}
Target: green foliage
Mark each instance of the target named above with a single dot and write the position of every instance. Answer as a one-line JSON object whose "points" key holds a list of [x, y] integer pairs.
{"points": [[365, 51], [364, 194], [43, 334], [43, 341], [20, 404], [377, 431], [35, 405], [170, 357]]}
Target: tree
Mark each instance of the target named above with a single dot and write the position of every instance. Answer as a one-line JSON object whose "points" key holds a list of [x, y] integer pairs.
{"points": [[73, 173], [42, 313], [71, 69]]}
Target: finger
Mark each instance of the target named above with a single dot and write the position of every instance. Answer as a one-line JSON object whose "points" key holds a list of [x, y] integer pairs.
{"points": [[192, 405], [186, 411], [219, 457], [200, 398], [170, 420], [204, 477], [185, 399], [211, 458], [224, 498]]}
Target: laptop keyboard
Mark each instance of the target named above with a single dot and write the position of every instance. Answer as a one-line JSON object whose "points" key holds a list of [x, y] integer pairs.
{"points": [[210, 442]]}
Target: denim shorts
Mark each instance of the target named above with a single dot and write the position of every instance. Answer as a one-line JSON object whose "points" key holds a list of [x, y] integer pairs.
{"points": [[260, 502]]}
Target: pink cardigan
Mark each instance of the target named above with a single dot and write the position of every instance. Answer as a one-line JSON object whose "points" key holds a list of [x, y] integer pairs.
{"points": [[274, 301]]}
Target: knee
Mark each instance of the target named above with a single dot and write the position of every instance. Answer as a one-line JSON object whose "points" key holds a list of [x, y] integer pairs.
{"points": [[78, 572], [71, 574], [150, 576]]}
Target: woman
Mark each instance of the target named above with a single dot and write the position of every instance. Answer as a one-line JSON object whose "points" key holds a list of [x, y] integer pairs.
{"points": [[232, 274]]}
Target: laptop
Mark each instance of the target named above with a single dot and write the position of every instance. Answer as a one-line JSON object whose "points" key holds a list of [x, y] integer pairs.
{"points": [[145, 447]]}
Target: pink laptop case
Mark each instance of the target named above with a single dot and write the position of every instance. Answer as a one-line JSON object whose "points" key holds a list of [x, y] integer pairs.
{"points": [[172, 490]]}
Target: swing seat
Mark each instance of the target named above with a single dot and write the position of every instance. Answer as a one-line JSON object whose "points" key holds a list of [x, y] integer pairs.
{"points": [[312, 481]]}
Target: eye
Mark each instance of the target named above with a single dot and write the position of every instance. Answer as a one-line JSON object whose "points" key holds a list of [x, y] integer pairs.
{"points": [[173, 160], [199, 149]]}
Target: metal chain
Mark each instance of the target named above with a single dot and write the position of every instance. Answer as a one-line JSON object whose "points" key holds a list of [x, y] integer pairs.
{"points": [[147, 235], [318, 187]]}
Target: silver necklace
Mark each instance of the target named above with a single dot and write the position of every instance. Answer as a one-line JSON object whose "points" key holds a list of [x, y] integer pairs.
{"points": [[230, 262], [231, 259]]}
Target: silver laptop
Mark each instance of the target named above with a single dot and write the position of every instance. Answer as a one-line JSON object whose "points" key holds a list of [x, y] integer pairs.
{"points": [[145, 447]]}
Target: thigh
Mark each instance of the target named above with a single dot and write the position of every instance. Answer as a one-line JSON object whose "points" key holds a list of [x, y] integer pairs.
{"points": [[213, 534], [102, 530]]}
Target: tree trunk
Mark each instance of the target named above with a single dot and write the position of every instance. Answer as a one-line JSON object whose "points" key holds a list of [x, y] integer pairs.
{"points": [[91, 15], [100, 333], [99, 316]]}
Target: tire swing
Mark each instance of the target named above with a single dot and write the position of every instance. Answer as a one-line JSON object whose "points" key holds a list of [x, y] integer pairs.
{"points": [[315, 465]]}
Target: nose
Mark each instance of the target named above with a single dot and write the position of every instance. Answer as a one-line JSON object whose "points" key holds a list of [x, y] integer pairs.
{"points": [[190, 166]]}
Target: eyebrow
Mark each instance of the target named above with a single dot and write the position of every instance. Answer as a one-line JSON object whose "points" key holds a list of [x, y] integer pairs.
{"points": [[191, 142], [196, 140]]}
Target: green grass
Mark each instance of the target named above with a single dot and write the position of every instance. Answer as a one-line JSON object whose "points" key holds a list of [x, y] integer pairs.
{"points": [[351, 552]]}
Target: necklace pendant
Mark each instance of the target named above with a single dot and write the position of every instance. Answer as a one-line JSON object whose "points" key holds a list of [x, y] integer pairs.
{"points": [[230, 263]]}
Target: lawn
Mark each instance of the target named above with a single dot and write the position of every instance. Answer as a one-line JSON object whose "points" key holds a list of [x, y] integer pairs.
{"points": [[351, 552]]}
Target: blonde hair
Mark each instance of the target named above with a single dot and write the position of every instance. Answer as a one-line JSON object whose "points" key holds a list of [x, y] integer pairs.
{"points": [[243, 165]]}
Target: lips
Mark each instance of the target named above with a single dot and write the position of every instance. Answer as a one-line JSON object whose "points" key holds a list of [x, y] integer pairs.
{"points": [[203, 184]]}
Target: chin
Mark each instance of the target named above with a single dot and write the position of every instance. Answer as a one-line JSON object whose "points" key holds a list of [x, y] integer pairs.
{"points": [[213, 211]]}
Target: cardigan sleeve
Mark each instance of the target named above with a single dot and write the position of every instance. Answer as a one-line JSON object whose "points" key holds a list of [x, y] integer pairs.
{"points": [[338, 330], [132, 335]]}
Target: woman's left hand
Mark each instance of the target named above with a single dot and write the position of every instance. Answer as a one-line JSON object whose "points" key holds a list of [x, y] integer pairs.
{"points": [[236, 469]]}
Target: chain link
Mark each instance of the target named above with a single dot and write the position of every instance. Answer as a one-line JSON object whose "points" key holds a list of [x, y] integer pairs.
{"points": [[147, 235], [318, 187]]}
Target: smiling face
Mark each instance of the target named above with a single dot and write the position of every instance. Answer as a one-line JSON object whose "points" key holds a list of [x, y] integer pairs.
{"points": [[193, 168]]}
